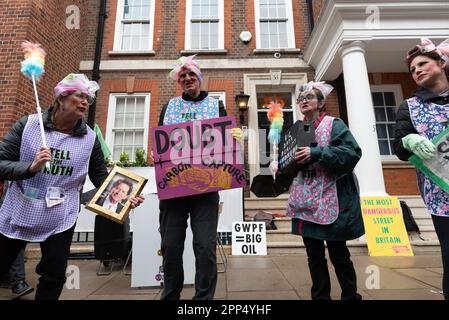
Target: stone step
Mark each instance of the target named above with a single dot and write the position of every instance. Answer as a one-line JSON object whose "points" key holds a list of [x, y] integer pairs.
{"points": [[419, 210], [282, 235], [290, 247], [418, 213], [285, 235], [424, 222], [252, 212], [33, 251], [261, 202], [422, 213], [412, 201], [420, 220], [273, 248]]}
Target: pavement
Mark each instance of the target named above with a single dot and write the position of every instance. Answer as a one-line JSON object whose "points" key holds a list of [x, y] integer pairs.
{"points": [[272, 277]]}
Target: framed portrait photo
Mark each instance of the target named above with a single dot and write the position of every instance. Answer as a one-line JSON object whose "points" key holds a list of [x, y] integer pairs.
{"points": [[112, 198]]}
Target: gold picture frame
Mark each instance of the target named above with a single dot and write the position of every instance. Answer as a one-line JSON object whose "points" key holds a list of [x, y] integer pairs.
{"points": [[109, 201]]}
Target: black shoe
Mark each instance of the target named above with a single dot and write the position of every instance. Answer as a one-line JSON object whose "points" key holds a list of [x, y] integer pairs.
{"points": [[21, 289]]}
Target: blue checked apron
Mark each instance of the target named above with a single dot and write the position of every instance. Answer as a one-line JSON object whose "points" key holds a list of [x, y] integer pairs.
{"points": [[30, 219], [430, 119], [180, 110], [315, 199]]}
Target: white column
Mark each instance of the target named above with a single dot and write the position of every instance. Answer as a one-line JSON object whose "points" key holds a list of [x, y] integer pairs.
{"points": [[362, 121]]}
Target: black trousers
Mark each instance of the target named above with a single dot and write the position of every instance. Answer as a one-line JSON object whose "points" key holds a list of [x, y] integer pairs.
{"points": [[441, 225], [16, 273], [341, 259], [52, 266], [203, 210]]}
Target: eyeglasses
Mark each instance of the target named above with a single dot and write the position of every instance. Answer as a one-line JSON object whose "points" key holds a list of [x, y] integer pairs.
{"points": [[81, 96], [308, 98]]}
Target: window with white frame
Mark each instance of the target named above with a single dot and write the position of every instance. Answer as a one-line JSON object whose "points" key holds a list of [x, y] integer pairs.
{"points": [[274, 24], [134, 25], [204, 24], [221, 96], [385, 102], [127, 124]]}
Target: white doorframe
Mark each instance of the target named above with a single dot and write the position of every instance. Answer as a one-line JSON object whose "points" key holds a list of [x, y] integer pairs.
{"points": [[250, 84]]}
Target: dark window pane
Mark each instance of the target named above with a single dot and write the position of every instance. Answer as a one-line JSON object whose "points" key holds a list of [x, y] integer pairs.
{"points": [[391, 114], [378, 99], [380, 114], [389, 99], [381, 131], [264, 144], [383, 146], [391, 146], [391, 131], [288, 121]]}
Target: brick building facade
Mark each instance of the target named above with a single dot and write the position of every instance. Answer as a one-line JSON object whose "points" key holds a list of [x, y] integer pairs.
{"points": [[142, 39], [50, 24]]}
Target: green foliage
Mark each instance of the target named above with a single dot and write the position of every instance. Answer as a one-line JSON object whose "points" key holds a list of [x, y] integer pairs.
{"points": [[124, 159], [140, 160], [108, 161]]}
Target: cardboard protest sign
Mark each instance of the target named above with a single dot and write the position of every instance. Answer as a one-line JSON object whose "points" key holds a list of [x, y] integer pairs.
{"points": [[436, 168], [197, 157], [384, 226]]}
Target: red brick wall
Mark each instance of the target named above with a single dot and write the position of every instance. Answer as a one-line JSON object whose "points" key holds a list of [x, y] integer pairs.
{"points": [[42, 22], [169, 30], [158, 26], [401, 181], [300, 22], [90, 24], [181, 25], [406, 81], [223, 85], [14, 21], [251, 23], [227, 24], [109, 28], [332, 108], [119, 86], [318, 5]]}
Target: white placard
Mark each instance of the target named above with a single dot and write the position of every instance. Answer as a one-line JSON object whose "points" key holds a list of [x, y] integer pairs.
{"points": [[231, 199], [147, 261], [144, 224], [232, 209], [249, 238]]}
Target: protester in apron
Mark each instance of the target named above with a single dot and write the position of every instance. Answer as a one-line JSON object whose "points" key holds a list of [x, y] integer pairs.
{"points": [[74, 151], [420, 119], [324, 202], [202, 209]]}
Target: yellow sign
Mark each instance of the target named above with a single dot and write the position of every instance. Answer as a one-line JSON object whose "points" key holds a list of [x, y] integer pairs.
{"points": [[384, 227]]}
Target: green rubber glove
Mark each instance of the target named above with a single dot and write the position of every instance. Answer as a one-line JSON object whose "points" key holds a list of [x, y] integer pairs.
{"points": [[420, 146]]}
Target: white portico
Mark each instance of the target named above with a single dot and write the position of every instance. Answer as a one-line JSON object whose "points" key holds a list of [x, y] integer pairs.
{"points": [[356, 38]]}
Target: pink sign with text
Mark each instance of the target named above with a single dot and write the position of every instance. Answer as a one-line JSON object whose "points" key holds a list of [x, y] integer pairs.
{"points": [[197, 157]]}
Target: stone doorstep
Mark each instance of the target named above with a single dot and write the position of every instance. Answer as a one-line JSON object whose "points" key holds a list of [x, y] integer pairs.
{"points": [[33, 251]]}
